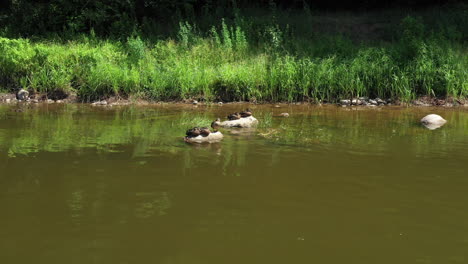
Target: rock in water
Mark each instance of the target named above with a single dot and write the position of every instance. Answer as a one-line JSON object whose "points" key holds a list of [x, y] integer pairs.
{"points": [[284, 114], [433, 121], [22, 95], [242, 122], [211, 138]]}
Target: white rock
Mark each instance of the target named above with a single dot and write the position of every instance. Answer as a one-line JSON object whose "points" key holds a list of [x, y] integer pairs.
{"points": [[284, 114], [345, 102], [379, 101], [211, 138], [242, 122], [103, 102], [433, 121]]}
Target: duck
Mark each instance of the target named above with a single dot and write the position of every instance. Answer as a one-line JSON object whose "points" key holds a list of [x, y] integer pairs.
{"points": [[193, 132], [234, 116], [215, 124], [246, 113], [204, 131]]}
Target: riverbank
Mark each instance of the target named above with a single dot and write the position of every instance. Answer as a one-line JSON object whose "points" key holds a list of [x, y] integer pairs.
{"points": [[11, 98], [253, 58]]}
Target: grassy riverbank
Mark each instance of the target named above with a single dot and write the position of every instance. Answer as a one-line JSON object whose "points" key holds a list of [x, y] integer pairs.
{"points": [[273, 57]]}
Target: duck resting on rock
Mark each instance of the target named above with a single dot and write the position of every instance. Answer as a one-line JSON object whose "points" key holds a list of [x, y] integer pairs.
{"points": [[204, 131], [234, 116], [246, 113], [215, 124], [193, 132]]}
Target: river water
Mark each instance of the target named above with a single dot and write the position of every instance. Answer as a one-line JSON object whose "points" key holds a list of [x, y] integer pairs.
{"points": [[83, 184]]}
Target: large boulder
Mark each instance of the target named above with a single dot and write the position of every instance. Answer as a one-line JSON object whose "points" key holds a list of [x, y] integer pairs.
{"points": [[242, 122], [211, 138], [22, 95], [433, 121]]}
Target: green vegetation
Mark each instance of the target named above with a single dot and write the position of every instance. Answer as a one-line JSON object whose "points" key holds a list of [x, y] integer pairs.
{"points": [[275, 56]]}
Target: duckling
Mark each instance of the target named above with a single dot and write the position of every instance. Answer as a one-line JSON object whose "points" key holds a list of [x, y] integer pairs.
{"points": [[234, 116], [246, 113], [204, 131], [193, 132], [215, 124]]}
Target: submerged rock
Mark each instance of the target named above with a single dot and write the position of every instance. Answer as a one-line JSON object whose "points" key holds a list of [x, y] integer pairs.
{"points": [[284, 114], [433, 121], [22, 95]]}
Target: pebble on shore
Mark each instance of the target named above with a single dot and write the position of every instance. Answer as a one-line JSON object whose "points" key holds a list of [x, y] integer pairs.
{"points": [[103, 102], [363, 101]]}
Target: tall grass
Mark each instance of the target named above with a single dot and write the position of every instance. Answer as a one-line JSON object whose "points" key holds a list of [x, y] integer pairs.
{"points": [[239, 60]]}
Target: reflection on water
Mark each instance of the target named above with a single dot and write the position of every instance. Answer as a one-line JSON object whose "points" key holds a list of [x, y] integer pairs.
{"points": [[327, 185], [152, 204], [74, 127]]}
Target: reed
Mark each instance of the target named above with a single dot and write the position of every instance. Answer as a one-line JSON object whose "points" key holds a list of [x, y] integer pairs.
{"points": [[240, 60]]}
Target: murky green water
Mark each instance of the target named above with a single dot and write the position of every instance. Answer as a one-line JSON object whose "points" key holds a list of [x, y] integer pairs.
{"points": [[327, 185]]}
